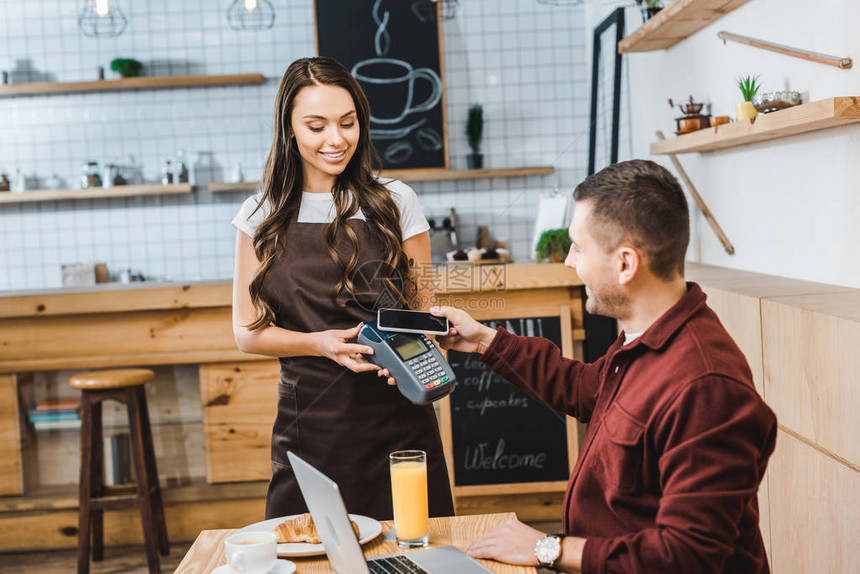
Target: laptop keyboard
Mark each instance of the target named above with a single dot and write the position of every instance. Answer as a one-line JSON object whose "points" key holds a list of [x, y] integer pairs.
{"points": [[394, 565]]}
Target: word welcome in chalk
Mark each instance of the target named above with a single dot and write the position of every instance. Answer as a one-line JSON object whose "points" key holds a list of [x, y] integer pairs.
{"points": [[513, 401], [481, 459]]}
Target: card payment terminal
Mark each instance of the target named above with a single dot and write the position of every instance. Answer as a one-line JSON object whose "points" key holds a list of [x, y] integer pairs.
{"points": [[422, 373]]}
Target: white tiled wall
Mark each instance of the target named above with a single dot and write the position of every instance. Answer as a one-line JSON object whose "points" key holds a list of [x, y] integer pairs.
{"points": [[526, 62]]}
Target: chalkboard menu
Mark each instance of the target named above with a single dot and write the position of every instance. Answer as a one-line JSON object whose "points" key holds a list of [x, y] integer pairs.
{"points": [[393, 48], [500, 434]]}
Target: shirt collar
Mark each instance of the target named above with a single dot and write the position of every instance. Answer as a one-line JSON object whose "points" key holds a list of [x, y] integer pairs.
{"points": [[659, 333]]}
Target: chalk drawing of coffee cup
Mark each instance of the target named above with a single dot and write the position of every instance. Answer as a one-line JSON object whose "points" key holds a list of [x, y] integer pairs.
{"points": [[392, 80]]}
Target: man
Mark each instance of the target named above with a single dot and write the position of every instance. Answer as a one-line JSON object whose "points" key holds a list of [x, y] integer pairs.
{"points": [[678, 439]]}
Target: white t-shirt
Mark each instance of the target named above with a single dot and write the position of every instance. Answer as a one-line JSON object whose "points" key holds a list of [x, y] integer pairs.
{"points": [[319, 208], [630, 337]]}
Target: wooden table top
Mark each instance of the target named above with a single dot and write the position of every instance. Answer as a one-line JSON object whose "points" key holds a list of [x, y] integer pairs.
{"points": [[207, 552]]}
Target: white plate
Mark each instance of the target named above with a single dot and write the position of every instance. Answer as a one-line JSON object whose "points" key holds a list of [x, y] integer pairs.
{"points": [[368, 529], [282, 567]]}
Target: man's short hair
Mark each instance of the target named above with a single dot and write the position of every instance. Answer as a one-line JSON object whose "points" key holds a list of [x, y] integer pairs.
{"points": [[641, 203]]}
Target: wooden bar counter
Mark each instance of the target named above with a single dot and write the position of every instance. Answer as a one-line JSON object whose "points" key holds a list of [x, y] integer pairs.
{"points": [[169, 325]]}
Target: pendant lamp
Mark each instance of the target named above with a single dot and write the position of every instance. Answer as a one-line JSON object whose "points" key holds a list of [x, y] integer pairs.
{"points": [[251, 15], [101, 19]]}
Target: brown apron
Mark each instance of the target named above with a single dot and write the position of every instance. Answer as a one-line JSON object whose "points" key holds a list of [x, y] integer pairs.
{"points": [[343, 423]]}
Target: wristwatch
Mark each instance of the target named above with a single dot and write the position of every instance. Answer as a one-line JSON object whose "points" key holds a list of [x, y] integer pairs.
{"points": [[548, 549]]}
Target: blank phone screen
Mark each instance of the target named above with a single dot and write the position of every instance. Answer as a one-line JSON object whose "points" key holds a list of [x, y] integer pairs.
{"points": [[413, 320]]}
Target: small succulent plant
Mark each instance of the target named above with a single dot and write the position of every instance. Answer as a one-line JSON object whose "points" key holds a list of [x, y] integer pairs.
{"points": [[749, 87]]}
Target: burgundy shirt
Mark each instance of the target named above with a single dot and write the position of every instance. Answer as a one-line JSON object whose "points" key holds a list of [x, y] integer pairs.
{"points": [[677, 444]]}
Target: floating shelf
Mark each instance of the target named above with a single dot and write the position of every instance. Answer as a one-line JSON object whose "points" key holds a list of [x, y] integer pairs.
{"points": [[410, 175], [818, 115], [682, 18], [143, 83], [94, 193]]}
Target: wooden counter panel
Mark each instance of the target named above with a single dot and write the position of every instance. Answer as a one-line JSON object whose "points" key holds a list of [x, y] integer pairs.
{"points": [[112, 298], [115, 298], [532, 507], [11, 464], [239, 406], [114, 339], [811, 375], [59, 529], [756, 284], [815, 510], [741, 316]]}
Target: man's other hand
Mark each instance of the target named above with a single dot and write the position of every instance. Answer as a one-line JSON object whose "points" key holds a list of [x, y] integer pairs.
{"points": [[512, 542]]}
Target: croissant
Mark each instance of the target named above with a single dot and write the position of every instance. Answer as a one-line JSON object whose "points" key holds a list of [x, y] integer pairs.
{"points": [[303, 529]]}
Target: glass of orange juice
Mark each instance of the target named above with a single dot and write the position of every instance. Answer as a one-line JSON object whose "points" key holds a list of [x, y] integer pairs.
{"points": [[409, 493]]}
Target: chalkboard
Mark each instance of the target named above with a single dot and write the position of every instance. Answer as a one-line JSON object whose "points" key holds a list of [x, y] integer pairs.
{"points": [[394, 49], [500, 434]]}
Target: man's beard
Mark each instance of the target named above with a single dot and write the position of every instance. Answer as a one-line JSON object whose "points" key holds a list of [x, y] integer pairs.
{"points": [[608, 304]]}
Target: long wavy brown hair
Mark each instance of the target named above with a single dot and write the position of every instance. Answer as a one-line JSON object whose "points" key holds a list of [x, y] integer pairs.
{"points": [[355, 188]]}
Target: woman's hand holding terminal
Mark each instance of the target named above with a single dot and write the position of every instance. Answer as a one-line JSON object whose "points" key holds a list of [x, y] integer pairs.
{"points": [[333, 345]]}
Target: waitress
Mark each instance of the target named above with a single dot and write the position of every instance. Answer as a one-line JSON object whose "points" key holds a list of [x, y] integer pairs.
{"points": [[318, 250]]}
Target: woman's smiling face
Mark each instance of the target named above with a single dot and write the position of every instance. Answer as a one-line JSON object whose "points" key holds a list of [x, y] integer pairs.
{"points": [[325, 125]]}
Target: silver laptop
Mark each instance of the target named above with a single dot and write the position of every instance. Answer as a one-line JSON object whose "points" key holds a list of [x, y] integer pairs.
{"points": [[343, 550]]}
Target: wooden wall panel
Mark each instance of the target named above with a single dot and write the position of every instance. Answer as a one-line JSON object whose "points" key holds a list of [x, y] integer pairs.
{"points": [[11, 464], [815, 510], [812, 369], [239, 406]]}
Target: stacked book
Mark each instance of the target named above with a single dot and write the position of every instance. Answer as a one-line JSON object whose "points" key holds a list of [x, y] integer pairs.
{"points": [[55, 414]]}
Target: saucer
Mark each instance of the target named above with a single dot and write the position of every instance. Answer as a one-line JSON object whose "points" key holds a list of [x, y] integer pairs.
{"points": [[282, 567]]}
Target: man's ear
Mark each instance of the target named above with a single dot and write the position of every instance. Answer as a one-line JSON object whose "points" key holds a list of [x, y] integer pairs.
{"points": [[628, 260]]}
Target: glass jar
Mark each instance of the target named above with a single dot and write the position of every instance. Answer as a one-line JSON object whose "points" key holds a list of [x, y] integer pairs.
{"points": [[90, 175]]}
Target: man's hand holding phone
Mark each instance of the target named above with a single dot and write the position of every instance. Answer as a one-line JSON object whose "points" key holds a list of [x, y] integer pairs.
{"points": [[465, 334]]}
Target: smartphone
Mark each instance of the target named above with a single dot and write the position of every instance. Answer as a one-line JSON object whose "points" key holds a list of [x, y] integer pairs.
{"points": [[403, 321]]}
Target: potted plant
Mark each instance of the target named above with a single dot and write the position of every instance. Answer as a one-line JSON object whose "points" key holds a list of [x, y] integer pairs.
{"points": [[749, 87], [474, 132], [650, 8], [127, 67], [554, 245]]}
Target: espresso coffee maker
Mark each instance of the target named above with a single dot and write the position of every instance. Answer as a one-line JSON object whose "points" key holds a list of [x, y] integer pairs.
{"points": [[692, 119]]}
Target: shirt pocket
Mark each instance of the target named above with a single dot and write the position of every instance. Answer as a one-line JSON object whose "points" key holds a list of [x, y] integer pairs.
{"points": [[620, 454]]}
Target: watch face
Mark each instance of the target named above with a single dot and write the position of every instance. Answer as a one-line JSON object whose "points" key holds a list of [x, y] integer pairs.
{"points": [[547, 550]]}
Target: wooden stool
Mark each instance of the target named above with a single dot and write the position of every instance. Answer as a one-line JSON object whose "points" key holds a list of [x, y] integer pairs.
{"points": [[125, 386]]}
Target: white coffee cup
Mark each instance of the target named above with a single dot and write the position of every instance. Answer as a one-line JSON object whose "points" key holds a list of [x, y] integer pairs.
{"points": [[251, 552]]}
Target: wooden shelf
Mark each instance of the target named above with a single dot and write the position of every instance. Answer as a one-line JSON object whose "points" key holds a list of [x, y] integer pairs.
{"points": [[680, 19], [94, 193], [224, 187], [410, 175], [143, 83], [818, 115]]}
